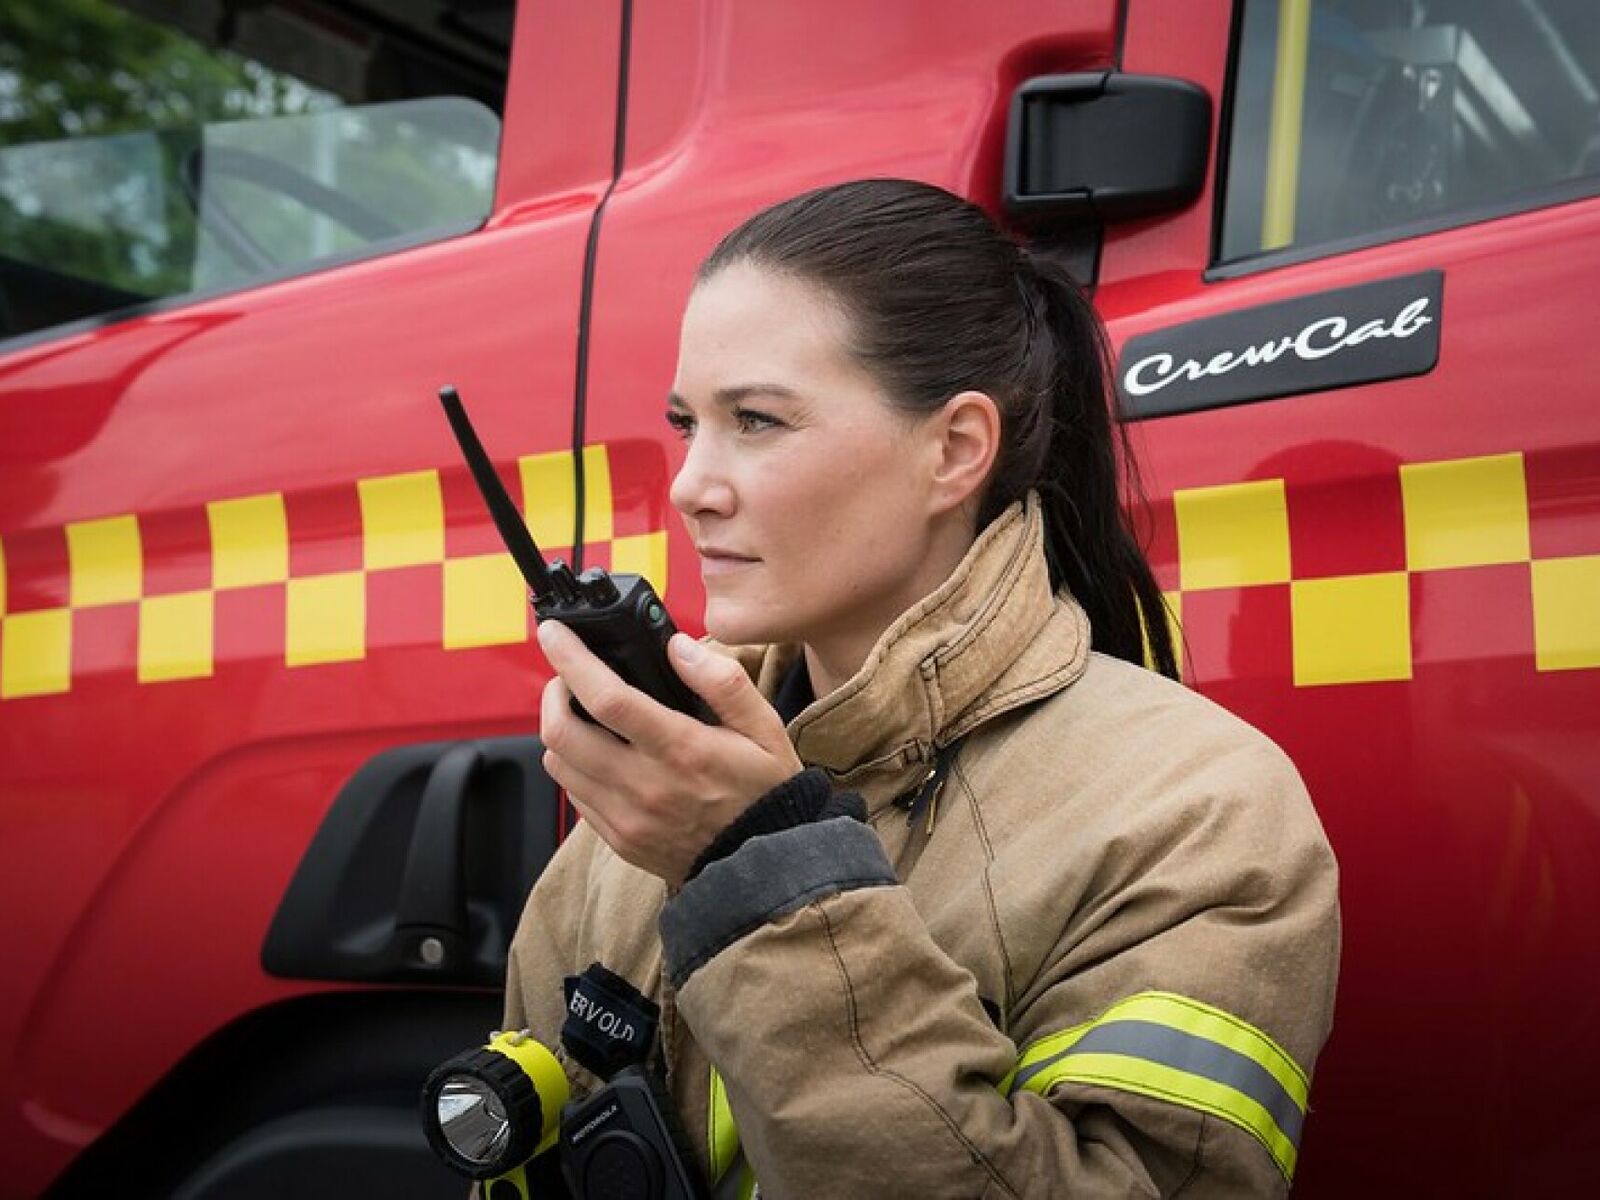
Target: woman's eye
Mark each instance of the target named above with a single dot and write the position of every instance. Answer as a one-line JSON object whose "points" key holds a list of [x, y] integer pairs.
{"points": [[751, 421], [682, 424]]}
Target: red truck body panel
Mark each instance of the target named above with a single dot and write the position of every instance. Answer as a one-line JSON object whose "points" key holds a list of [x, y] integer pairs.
{"points": [[153, 811], [1460, 790], [149, 829]]}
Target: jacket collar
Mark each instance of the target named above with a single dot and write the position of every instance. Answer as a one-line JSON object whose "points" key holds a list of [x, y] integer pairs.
{"points": [[991, 638]]}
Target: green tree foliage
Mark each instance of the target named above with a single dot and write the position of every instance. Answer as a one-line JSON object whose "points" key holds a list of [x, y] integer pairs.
{"points": [[73, 69], [138, 162], [77, 67]]}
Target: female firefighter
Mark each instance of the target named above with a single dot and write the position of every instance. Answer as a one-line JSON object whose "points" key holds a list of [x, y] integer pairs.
{"points": [[959, 899]]}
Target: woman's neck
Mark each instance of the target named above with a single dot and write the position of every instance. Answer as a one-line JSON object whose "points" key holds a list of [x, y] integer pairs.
{"points": [[833, 660], [830, 668]]}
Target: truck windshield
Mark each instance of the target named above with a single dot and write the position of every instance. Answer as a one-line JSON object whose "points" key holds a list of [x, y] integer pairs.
{"points": [[145, 157]]}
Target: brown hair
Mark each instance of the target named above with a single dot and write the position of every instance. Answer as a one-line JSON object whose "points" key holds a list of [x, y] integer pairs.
{"points": [[941, 301]]}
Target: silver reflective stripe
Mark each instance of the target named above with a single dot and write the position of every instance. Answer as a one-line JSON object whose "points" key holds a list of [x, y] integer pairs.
{"points": [[1184, 1052]]}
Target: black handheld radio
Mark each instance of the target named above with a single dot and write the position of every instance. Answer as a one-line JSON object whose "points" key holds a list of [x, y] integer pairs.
{"points": [[619, 617]]}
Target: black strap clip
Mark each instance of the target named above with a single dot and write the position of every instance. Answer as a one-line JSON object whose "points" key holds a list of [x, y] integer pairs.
{"points": [[610, 1024], [927, 795]]}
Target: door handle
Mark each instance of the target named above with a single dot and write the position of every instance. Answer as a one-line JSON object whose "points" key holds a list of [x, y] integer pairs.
{"points": [[431, 915], [420, 868]]}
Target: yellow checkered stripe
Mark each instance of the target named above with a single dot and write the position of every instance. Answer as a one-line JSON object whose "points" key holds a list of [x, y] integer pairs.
{"points": [[325, 619], [1459, 513]]}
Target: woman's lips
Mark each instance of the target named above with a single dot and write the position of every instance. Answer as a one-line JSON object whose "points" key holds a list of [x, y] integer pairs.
{"points": [[716, 562]]}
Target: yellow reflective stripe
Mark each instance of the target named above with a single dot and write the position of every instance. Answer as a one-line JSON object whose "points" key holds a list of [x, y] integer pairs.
{"points": [[1174, 1048], [722, 1136], [1037, 1052], [1213, 1024], [1180, 1087], [1190, 1016]]}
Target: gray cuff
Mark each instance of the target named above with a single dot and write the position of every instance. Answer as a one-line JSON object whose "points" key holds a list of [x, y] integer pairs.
{"points": [[766, 877]]}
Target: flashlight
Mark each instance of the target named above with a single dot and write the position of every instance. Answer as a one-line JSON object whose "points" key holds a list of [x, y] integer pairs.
{"points": [[488, 1111]]}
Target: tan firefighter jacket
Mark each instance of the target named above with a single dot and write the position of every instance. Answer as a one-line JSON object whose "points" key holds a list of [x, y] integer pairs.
{"points": [[1100, 963]]}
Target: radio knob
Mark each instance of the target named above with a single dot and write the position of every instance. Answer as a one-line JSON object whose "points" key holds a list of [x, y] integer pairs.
{"points": [[597, 586]]}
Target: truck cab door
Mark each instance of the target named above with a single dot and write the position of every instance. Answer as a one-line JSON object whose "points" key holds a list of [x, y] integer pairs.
{"points": [[735, 106], [1360, 371]]}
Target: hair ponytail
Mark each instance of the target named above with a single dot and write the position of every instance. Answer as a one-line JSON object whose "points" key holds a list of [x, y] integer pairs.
{"points": [[941, 301], [1081, 468]]}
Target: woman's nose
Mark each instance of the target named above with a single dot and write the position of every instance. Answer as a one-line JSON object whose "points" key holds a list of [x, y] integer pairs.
{"points": [[700, 487]]}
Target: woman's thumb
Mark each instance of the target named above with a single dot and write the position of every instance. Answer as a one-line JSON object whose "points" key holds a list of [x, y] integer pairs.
{"points": [[721, 682]]}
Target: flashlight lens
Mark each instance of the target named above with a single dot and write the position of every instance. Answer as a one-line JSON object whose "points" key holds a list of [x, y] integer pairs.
{"points": [[482, 1111], [472, 1119]]}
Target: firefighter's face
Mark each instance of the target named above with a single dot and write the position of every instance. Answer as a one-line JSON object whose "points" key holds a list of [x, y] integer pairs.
{"points": [[817, 508]]}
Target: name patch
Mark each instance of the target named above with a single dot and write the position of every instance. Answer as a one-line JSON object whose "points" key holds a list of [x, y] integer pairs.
{"points": [[609, 1024], [1383, 330]]}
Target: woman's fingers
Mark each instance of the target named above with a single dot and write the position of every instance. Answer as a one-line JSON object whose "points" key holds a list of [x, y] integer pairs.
{"points": [[658, 785], [596, 805], [662, 848], [601, 827], [599, 754], [722, 683], [605, 696]]}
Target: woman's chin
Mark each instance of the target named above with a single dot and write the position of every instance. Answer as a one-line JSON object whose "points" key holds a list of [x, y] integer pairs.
{"points": [[732, 626], [729, 631]]}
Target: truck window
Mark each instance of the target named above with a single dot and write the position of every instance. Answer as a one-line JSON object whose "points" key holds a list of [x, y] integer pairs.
{"points": [[1374, 119], [151, 150]]}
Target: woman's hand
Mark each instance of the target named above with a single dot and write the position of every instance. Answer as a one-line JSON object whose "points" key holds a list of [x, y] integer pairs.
{"points": [[659, 798]]}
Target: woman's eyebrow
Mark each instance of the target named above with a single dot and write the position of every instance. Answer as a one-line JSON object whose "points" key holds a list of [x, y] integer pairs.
{"points": [[730, 396]]}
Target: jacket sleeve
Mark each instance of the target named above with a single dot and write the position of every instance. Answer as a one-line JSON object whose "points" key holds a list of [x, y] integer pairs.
{"points": [[857, 1055]]}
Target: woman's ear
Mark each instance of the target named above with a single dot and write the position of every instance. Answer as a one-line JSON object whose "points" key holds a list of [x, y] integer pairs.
{"points": [[968, 430]]}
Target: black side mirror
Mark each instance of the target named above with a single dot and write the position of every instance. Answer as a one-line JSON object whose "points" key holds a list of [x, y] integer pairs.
{"points": [[1102, 147]]}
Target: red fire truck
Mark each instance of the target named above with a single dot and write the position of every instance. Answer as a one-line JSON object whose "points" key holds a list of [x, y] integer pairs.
{"points": [[268, 795]]}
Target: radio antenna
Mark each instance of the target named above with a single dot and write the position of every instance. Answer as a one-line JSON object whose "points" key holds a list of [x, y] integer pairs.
{"points": [[524, 551]]}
